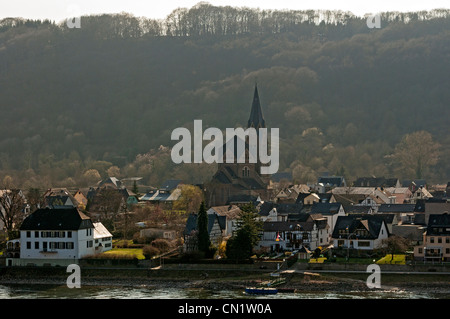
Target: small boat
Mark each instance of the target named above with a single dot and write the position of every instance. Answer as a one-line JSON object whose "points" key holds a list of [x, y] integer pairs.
{"points": [[261, 291]]}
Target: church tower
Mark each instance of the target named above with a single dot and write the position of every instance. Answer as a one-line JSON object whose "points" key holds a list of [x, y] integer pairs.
{"points": [[256, 119], [236, 182]]}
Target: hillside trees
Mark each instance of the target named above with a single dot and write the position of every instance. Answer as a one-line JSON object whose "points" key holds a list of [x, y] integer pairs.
{"points": [[109, 94]]}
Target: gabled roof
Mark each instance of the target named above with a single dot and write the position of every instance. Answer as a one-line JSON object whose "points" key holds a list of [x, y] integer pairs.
{"points": [[56, 219], [113, 181], [170, 184], [191, 223], [229, 211], [325, 208], [357, 209], [438, 224], [376, 182], [371, 223], [100, 231], [396, 208]]}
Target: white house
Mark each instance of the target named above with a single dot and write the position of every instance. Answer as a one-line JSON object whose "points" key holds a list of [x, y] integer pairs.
{"points": [[361, 233], [59, 237], [102, 238], [292, 235]]}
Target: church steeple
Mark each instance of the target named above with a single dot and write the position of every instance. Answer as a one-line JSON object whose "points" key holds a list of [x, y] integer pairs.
{"points": [[256, 119]]}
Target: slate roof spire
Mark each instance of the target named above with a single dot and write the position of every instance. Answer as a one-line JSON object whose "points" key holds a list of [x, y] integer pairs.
{"points": [[256, 119]]}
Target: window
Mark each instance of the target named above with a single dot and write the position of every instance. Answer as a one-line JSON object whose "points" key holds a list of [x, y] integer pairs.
{"points": [[431, 239], [439, 240], [36, 245], [69, 234], [28, 244], [420, 250], [245, 172], [363, 243], [69, 245], [36, 234], [28, 234], [89, 244], [447, 240]]}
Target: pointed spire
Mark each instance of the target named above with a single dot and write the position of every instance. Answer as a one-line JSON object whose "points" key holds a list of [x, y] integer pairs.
{"points": [[256, 119]]}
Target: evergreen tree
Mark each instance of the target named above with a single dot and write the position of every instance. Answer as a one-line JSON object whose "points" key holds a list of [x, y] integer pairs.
{"points": [[202, 226], [240, 245]]}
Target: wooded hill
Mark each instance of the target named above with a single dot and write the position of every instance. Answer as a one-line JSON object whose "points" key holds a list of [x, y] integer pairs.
{"points": [[103, 98]]}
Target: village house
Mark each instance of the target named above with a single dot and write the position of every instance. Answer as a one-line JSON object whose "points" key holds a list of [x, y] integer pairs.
{"points": [[326, 183], [81, 197], [292, 235], [436, 240], [216, 230], [59, 236], [290, 194], [376, 182], [59, 197], [359, 233], [164, 196], [331, 211], [270, 211], [231, 214], [405, 212]]}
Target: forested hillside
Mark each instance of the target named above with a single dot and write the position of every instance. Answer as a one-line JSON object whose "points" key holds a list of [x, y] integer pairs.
{"points": [[79, 104]]}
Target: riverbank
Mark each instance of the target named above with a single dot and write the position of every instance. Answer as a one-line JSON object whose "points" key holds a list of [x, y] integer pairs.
{"points": [[226, 280]]}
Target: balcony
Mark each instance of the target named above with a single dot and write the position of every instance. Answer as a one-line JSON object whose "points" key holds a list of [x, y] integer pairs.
{"points": [[433, 252]]}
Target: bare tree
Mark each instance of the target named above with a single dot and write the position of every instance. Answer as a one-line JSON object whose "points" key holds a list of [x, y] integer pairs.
{"points": [[12, 204], [416, 152]]}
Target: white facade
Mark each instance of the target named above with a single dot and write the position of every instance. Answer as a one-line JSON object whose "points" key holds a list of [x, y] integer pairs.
{"points": [[291, 236], [351, 241], [49, 245], [60, 245]]}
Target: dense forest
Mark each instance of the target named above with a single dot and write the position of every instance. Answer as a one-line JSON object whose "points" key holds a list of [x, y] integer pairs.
{"points": [[79, 104]]}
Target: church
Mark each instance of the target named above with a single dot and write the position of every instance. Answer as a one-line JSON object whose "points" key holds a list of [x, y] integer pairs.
{"points": [[236, 183]]}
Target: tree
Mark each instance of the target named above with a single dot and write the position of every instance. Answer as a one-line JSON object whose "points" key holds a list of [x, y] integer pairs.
{"points": [[394, 245], [248, 233], [12, 203], [202, 227], [190, 199], [416, 152]]}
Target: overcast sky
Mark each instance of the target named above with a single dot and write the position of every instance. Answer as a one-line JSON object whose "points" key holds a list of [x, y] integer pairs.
{"points": [[61, 9]]}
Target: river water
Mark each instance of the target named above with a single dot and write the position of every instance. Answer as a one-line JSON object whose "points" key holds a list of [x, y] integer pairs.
{"points": [[45, 291]]}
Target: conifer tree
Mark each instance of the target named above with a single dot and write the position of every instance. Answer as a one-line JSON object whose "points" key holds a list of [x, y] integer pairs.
{"points": [[202, 226]]}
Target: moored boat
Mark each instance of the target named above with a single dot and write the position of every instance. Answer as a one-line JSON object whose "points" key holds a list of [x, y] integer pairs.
{"points": [[261, 291]]}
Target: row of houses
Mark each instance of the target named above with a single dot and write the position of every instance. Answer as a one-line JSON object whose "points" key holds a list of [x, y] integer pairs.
{"points": [[308, 220]]}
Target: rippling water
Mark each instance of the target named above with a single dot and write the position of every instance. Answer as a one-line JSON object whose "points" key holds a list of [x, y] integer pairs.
{"points": [[105, 292]]}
